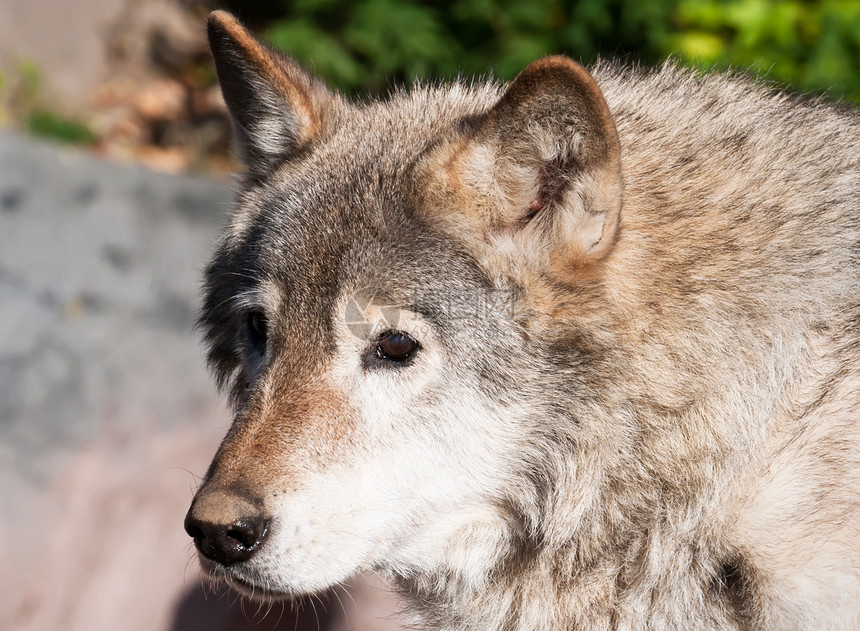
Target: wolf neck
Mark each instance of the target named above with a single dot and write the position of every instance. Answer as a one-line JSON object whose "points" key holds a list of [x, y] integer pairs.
{"points": [[574, 586], [616, 560], [609, 536]]}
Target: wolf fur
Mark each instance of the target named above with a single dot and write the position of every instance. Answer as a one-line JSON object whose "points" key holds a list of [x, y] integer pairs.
{"points": [[656, 427]]}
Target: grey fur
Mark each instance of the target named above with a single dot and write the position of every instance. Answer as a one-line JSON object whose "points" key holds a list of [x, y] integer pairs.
{"points": [[689, 457]]}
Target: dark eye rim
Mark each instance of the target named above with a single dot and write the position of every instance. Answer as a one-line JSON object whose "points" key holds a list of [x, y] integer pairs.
{"points": [[385, 356], [257, 325]]}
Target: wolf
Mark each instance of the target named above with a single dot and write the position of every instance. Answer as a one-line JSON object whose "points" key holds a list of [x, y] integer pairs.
{"points": [[578, 351]]}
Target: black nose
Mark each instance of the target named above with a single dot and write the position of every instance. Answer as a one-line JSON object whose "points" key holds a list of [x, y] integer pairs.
{"points": [[227, 543]]}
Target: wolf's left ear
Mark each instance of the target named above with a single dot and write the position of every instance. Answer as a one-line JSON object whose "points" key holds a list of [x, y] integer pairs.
{"points": [[540, 171], [277, 108]]}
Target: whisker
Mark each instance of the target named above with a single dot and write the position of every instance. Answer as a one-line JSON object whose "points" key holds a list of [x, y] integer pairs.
{"points": [[349, 593], [314, 607], [278, 621], [345, 612]]}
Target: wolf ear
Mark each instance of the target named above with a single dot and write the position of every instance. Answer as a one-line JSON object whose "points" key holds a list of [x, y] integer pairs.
{"points": [[276, 107], [541, 169]]}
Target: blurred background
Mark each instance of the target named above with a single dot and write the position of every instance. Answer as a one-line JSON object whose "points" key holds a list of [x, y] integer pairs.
{"points": [[114, 165], [131, 80]]}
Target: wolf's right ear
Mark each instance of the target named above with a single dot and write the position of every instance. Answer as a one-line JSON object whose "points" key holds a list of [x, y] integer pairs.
{"points": [[276, 107], [537, 177]]}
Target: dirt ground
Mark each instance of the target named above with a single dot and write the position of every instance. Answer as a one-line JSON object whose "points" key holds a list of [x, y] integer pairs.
{"points": [[136, 75]]}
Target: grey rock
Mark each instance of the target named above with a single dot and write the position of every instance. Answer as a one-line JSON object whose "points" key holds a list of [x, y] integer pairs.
{"points": [[105, 405], [99, 269]]}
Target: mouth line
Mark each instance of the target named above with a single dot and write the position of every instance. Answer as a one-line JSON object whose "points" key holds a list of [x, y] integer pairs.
{"points": [[256, 592], [217, 572]]}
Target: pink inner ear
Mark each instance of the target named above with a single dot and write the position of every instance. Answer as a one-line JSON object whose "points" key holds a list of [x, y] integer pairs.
{"points": [[534, 208]]}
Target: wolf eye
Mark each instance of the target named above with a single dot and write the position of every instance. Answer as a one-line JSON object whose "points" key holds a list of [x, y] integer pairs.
{"points": [[258, 330], [395, 346]]}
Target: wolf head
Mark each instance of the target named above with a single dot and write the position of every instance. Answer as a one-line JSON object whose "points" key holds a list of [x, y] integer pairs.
{"points": [[380, 310]]}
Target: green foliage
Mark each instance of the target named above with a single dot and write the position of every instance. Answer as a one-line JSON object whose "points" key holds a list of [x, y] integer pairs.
{"points": [[811, 45], [28, 110], [29, 83], [56, 127], [362, 46]]}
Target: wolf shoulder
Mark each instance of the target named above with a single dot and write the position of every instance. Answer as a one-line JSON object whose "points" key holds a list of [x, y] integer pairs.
{"points": [[739, 175], [702, 131]]}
